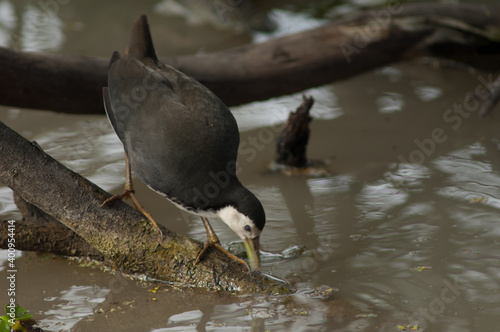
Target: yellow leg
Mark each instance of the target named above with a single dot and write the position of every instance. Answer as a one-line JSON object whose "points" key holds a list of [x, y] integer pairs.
{"points": [[213, 241], [129, 192]]}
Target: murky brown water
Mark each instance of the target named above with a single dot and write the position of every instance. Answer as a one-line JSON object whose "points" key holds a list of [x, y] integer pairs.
{"points": [[406, 229]]}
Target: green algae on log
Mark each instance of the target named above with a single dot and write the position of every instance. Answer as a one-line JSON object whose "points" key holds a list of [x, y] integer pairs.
{"points": [[120, 233]]}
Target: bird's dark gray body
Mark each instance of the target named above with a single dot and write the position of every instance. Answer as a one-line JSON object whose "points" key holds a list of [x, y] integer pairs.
{"points": [[181, 140]]}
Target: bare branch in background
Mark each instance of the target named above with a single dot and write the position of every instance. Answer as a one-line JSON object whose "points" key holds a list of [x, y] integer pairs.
{"points": [[336, 51]]}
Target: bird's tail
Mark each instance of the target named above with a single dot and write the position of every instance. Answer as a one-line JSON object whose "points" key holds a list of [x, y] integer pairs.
{"points": [[141, 43]]}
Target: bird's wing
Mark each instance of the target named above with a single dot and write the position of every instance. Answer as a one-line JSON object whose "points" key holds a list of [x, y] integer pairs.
{"points": [[108, 107]]}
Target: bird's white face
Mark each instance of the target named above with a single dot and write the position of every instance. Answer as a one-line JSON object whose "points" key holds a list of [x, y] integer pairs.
{"points": [[239, 223]]}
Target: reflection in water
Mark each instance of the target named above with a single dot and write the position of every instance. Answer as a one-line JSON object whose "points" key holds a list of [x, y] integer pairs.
{"points": [[74, 304], [428, 93], [263, 114], [376, 200], [288, 23], [426, 241], [7, 206], [472, 180], [392, 73], [40, 30], [409, 177], [238, 15], [7, 22], [30, 27], [390, 102]]}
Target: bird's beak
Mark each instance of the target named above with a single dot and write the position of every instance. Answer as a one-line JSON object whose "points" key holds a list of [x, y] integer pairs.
{"points": [[252, 247]]}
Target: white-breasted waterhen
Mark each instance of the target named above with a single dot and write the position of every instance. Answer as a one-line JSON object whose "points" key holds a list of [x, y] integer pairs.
{"points": [[181, 141]]}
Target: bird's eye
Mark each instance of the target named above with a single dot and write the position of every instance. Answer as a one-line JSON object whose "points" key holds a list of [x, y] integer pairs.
{"points": [[247, 228]]}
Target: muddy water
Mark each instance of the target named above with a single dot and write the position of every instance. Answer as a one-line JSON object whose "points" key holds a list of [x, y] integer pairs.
{"points": [[404, 230]]}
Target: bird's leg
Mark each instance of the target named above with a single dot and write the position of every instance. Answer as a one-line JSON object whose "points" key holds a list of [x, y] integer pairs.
{"points": [[129, 192], [213, 241]]}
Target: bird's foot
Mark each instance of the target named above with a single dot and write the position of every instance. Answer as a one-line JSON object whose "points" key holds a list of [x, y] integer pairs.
{"points": [[216, 245], [125, 194], [128, 193]]}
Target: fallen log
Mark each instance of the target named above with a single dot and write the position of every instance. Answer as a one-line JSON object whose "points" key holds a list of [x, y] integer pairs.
{"points": [[280, 66], [40, 232], [121, 234]]}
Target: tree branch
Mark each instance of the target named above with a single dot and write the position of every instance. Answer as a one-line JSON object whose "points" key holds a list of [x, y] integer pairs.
{"points": [[280, 66], [121, 234], [39, 232]]}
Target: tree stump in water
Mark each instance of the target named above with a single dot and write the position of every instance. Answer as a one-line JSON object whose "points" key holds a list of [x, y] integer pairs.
{"points": [[291, 144]]}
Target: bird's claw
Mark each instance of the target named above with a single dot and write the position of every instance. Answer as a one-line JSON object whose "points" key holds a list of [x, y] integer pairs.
{"points": [[126, 194], [216, 245], [129, 193]]}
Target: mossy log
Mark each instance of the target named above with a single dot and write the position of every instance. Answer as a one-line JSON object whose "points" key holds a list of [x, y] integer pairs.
{"points": [[121, 234], [40, 232]]}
